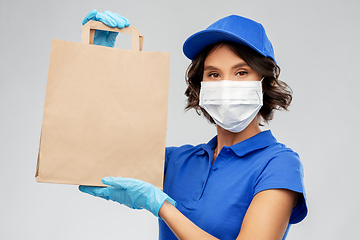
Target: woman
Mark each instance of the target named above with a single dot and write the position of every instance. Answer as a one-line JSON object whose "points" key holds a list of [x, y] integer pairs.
{"points": [[242, 184]]}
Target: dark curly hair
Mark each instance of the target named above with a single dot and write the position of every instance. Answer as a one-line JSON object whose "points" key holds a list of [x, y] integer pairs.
{"points": [[277, 94]]}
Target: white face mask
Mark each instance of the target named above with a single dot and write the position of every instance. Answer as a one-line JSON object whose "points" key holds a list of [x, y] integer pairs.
{"points": [[232, 104]]}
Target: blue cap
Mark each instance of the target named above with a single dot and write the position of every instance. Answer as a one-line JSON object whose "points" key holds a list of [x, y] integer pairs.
{"points": [[233, 29]]}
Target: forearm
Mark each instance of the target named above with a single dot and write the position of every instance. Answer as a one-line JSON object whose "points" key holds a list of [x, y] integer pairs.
{"points": [[181, 226]]}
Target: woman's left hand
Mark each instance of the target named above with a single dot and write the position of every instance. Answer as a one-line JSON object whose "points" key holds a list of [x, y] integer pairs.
{"points": [[133, 193], [105, 38]]}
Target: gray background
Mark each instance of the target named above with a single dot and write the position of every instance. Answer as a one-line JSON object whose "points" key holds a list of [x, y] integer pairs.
{"points": [[316, 45]]}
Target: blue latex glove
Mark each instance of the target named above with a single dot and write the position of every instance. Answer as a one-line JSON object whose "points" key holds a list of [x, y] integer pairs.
{"points": [[133, 193], [105, 38]]}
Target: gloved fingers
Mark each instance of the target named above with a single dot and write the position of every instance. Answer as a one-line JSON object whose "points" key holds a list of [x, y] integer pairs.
{"points": [[106, 19], [109, 18], [96, 191], [121, 21], [126, 21], [90, 16]]}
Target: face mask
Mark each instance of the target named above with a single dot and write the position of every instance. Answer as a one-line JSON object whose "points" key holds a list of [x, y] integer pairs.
{"points": [[232, 104]]}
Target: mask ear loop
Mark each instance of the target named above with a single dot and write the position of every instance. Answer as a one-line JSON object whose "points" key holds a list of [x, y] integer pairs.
{"points": [[262, 89]]}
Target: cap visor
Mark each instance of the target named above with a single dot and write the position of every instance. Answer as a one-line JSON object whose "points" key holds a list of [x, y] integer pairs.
{"points": [[195, 43]]}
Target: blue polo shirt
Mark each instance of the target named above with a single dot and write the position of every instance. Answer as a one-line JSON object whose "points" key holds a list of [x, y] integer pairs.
{"points": [[216, 197]]}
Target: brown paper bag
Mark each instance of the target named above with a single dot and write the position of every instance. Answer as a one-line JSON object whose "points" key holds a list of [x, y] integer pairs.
{"points": [[105, 112]]}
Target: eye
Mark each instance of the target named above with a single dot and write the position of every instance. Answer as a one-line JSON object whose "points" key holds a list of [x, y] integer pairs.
{"points": [[214, 75], [241, 73]]}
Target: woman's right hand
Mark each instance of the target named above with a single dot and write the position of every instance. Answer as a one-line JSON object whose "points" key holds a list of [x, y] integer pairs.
{"points": [[106, 38], [131, 192]]}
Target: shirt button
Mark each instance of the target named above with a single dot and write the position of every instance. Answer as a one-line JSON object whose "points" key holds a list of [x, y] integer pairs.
{"points": [[228, 150], [215, 168]]}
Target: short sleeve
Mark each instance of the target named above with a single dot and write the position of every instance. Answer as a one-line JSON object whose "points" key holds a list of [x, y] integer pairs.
{"points": [[168, 152], [285, 171]]}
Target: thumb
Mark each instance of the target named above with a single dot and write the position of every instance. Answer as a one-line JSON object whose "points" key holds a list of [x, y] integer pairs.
{"points": [[118, 182], [112, 38]]}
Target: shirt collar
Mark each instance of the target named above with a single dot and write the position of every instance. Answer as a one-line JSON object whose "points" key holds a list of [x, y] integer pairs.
{"points": [[259, 141], [209, 147]]}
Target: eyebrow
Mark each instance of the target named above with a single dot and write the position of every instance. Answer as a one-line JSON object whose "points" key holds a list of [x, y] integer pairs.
{"points": [[210, 68], [243, 64]]}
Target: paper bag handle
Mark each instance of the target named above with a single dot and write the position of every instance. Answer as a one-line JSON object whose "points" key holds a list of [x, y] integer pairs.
{"points": [[88, 32]]}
